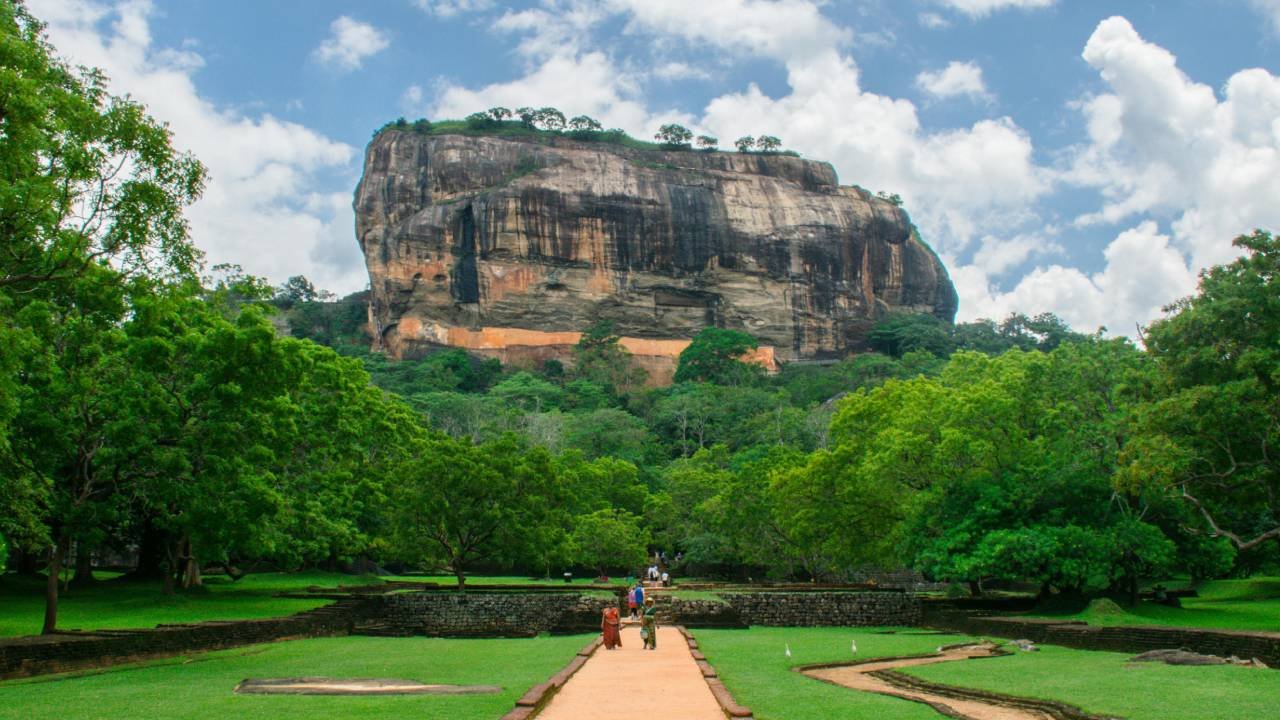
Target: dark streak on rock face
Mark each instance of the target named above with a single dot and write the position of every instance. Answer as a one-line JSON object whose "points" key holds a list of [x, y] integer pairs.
{"points": [[552, 235]]}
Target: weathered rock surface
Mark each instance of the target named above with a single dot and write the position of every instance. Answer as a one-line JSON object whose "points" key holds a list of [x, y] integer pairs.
{"points": [[510, 247]]}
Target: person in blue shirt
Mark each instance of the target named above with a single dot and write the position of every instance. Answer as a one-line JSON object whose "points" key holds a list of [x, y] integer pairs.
{"points": [[637, 600]]}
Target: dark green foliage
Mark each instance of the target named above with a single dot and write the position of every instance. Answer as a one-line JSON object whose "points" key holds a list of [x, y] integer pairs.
{"points": [[1208, 435], [901, 333], [455, 504], [768, 144], [746, 143], [715, 356], [706, 142], [610, 539], [674, 136]]}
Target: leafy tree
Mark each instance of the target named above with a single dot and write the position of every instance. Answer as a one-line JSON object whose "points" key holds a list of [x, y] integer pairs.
{"points": [[893, 198], [706, 142], [715, 356], [528, 392], [1209, 435], [584, 124], [85, 177], [746, 143], [677, 510], [454, 505], [499, 113], [608, 539], [298, 289], [900, 333], [599, 358], [479, 121], [674, 135], [768, 143], [528, 116], [610, 432], [549, 118], [600, 484]]}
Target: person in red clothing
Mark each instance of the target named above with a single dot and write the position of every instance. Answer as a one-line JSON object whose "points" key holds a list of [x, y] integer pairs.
{"points": [[609, 626]]}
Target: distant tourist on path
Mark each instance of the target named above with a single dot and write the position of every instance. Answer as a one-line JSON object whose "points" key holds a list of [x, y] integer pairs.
{"points": [[649, 624], [635, 600], [609, 627], [666, 579]]}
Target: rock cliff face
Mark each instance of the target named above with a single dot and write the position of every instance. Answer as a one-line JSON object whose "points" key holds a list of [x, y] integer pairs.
{"points": [[510, 247]]}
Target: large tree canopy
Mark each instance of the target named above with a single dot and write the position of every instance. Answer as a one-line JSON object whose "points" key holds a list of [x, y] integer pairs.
{"points": [[1212, 430]]}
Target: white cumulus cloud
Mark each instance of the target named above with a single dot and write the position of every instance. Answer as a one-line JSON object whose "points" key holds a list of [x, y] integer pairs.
{"points": [[957, 78], [981, 8], [450, 8], [266, 206], [1165, 146], [1270, 9], [1143, 273], [350, 41]]}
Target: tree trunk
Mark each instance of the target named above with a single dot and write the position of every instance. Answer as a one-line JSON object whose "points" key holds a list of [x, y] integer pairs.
{"points": [[56, 555], [462, 579], [1133, 591], [189, 565], [975, 588], [84, 565], [171, 551]]}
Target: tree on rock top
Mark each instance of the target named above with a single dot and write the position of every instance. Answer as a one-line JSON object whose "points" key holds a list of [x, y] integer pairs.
{"points": [[715, 355], [674, 136]]}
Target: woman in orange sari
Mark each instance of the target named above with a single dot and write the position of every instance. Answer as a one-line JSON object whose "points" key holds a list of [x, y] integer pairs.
{"points": [[609, 626]]}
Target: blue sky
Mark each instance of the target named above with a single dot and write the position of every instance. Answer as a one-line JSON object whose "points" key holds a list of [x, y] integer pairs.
{"points": [[1074, 156]]}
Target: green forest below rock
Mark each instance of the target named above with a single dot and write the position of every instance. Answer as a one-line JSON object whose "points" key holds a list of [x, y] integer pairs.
{"points": [[146, 403]]}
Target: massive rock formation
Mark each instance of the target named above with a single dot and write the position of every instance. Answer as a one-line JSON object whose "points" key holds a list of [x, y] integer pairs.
{"points": [[511, 246]]}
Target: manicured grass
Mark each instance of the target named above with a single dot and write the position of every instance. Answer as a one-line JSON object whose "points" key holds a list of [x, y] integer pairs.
{"points": [[1104, 683], [200, 686], [120, 603], [1249, 604], [755, 668]]}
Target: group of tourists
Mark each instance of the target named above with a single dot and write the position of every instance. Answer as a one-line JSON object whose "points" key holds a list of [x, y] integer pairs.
{"points": [[641, 608]]}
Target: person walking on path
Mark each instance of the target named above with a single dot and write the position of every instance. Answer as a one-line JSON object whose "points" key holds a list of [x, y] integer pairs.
{"points": [[609, 627], [649, 624], [637, 600]]}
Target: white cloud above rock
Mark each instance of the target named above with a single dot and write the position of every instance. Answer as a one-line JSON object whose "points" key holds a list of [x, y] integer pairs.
{"points": [[1163, 145], [452, 8], [350, 41], [265, 206], [956, 79], [982, 8]]}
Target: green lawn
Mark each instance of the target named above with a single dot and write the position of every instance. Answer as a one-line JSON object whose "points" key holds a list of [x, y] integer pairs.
{"points": [[1104, 683], [1250, 604], [754, 666], [201, 686], [119, 603]]}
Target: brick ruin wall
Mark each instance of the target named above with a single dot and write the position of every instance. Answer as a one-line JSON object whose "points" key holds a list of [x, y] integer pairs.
{"points": [[822, 609]]}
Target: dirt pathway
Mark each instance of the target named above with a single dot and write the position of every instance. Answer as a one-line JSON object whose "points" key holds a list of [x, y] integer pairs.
{"points": [[631, 683], [859, 677]]}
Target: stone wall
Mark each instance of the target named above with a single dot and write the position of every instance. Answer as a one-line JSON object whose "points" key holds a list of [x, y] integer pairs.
{"points": [[493, 614], [1128, 639], [810, 609], [37, 655]]}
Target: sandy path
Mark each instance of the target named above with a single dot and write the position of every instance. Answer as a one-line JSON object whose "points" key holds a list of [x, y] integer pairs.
{"points": [[857, 678], [631, 683]]}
